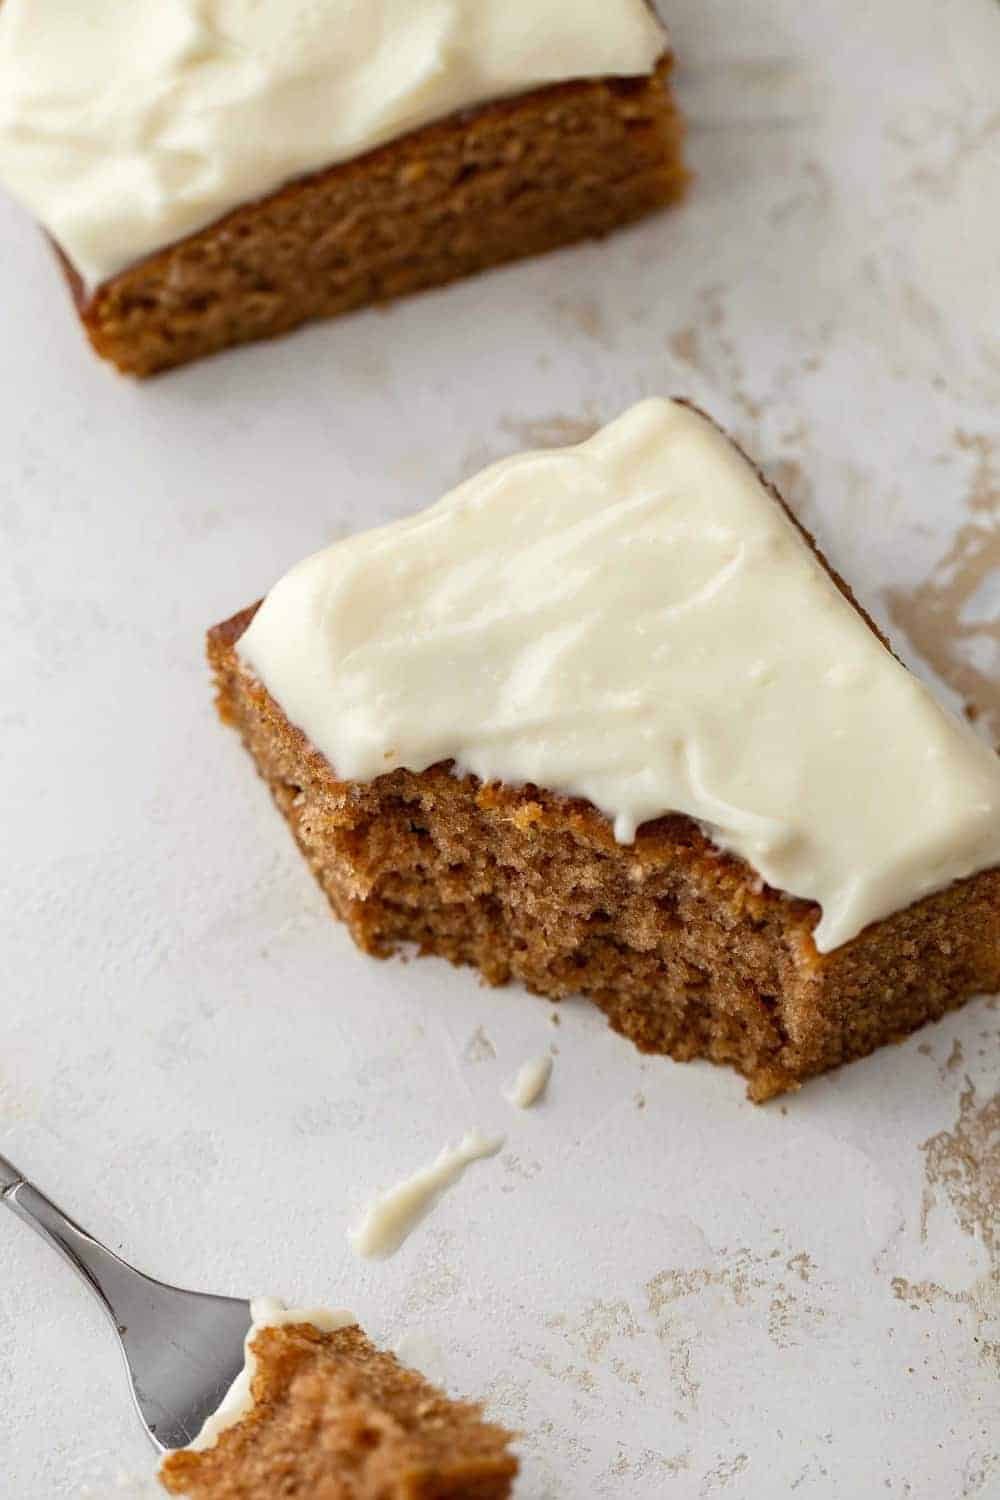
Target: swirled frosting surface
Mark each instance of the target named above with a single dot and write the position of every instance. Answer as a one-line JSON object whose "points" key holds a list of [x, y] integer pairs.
{"points": [[127, 124], [636, 621]]}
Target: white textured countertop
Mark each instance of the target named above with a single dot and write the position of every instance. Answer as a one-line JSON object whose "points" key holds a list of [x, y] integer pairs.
{"points": [[671, 1293]]}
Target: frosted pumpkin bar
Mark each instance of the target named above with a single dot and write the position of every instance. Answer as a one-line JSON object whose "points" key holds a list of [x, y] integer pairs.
{"points": [[319, 1412], [603, 720], [218, 171]]}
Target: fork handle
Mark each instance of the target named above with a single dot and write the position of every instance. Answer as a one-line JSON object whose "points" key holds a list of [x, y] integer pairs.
{"points": [[103, 1272], [10, 1177]]}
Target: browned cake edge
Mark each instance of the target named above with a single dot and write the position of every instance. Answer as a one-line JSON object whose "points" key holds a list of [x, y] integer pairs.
{"points": [[686, 950], [513, 178], [330, 1408]]}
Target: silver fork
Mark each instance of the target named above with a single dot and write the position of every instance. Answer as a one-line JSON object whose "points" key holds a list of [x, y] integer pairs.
{"points": [[182, 1349]]}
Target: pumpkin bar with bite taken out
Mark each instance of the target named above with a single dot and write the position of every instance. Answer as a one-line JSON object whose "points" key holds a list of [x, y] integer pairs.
{"points": [[604, 721]]}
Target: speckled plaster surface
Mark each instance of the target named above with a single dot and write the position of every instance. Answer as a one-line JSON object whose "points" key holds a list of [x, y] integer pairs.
{"points": [[670, 1293]]}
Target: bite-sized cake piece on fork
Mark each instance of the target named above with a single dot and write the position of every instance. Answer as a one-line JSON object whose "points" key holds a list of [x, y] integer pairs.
{"points": [[219, 173], [604, 720], [320, 1414]]}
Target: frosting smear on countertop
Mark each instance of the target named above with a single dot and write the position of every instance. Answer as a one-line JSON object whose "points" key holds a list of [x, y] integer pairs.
{"points": [[392, 1216], [126, 126], [636, 621]]}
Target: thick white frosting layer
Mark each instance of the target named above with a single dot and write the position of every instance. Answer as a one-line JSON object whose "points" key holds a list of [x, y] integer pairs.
{"points": [[637, 622], [266, 1312], [127, 124]]}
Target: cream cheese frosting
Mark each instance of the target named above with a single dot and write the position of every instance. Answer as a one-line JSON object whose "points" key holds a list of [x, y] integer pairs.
{"points": [[127, 124], [265, 1312], [530, 1083], [391, 1218], [635, 621]]}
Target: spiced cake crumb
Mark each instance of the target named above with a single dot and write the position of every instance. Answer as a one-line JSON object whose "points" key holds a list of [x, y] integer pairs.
{"points": [[334, 1418]]}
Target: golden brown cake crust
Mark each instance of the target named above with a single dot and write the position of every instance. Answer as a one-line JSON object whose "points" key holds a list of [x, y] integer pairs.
{"points": [[683, 947], [334, 1418], [510, 179]]}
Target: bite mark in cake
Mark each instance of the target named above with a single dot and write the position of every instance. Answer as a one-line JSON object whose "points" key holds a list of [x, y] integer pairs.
{"points": [[603, 719]]}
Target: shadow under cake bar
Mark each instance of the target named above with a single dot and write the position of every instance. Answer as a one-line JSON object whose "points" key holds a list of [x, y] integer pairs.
{"points": [[604, 721], [220, 173], [320, 1412]]}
